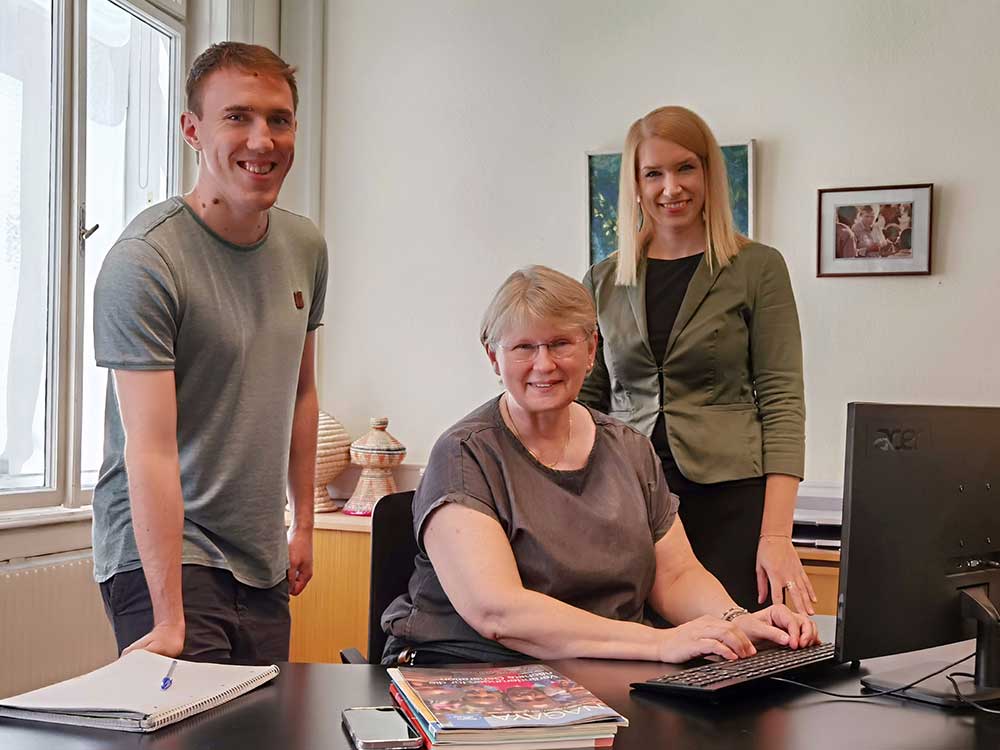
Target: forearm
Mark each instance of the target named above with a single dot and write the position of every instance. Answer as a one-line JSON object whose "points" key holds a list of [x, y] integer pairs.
{"points": [[780, 494], [691, 593], [158, 522], [546, 628], [302, 460], [778, 566]]}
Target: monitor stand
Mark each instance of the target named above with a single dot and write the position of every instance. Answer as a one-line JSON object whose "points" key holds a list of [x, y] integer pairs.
{"points": [[984, 688]]}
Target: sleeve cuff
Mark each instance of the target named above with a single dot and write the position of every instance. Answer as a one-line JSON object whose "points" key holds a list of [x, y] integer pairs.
{"points": [[111, 364]]}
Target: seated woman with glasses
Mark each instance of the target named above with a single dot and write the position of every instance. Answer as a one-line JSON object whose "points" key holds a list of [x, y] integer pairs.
{"points": [[545, 527]]}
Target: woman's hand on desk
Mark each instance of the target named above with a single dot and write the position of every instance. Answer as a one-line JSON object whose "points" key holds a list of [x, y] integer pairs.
{"points": [[780, 570], [780, 625]]}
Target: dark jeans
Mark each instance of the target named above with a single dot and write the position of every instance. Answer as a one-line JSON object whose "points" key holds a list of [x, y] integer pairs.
{"points": [[225, 620], [722, 522]]}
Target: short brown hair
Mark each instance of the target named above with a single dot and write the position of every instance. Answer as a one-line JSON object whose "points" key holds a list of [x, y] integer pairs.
{"points": [[537, 293], [251, 58]]}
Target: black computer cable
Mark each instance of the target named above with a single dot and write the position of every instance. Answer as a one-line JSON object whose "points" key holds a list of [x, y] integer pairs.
{"points": [[894, 691]]}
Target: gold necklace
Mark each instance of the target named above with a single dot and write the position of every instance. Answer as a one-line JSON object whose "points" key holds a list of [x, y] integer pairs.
{"points": [[562, 453]]}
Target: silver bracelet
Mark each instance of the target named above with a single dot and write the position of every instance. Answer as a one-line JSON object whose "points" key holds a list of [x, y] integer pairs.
{"points": [[733, 612]]}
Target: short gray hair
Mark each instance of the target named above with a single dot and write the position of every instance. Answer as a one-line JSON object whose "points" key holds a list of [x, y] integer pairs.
{"points": [[537, 293]]}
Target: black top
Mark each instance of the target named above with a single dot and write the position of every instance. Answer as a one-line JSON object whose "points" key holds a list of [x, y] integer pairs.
{"points": [[666, 284]]}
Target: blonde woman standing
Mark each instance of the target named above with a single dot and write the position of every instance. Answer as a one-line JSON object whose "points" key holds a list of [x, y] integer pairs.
{"points": [[700, 350]]}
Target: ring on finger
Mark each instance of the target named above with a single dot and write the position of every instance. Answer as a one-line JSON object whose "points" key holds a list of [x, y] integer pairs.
{"points": [[790, 585]]}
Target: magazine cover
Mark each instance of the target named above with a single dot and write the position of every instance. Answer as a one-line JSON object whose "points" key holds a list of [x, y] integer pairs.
{"points": [[545, 738], [500, 698]]}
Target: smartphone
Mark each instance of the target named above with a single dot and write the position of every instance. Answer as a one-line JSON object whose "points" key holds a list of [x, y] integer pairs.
{"points": [[380, 728]]}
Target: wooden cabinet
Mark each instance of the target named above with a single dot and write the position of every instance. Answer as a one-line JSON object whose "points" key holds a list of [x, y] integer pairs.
{"points": [[823, 568], [332, 613]]}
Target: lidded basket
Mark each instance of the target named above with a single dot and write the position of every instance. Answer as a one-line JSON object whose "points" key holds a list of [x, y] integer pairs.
{"points": [[376, 452]]}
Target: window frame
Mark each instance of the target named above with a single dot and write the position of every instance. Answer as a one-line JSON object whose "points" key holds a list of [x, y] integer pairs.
{"points": [[67, 269]]}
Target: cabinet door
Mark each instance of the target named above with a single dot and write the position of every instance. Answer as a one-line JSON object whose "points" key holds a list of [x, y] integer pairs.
{"points": [[823, 569], [332, 613]]}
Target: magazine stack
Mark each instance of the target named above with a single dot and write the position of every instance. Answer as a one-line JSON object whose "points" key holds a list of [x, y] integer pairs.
{"points": [[526, 707]]}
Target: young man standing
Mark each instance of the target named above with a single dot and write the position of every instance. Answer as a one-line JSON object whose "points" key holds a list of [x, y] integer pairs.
{"points": [[205, 311]]}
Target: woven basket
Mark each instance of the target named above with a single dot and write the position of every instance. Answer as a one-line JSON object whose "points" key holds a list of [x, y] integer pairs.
{"points": [[333, 455], [377, 452]]}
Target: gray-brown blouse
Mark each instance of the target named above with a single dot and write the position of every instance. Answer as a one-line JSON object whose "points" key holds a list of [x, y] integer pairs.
{"points": [[584, 537]]}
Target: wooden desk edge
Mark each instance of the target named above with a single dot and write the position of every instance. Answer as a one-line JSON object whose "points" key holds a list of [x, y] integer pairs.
{"points": [[338, 521], [815, 554]]}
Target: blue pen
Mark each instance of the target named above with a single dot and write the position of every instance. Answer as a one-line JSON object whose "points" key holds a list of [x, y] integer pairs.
{"points": [[167, 681]]}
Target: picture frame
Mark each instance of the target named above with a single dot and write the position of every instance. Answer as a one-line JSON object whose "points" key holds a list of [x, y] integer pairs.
{"points": [[882, 230], [602, 196]]}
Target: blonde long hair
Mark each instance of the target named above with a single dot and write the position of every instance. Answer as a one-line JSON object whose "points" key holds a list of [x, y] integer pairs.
{"points": [[685, 128]]}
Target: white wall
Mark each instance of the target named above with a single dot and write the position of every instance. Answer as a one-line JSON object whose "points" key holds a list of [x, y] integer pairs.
{"points": [[454, 148]]}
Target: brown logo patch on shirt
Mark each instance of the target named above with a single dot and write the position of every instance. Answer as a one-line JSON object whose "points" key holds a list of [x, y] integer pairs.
{"points": [[299, 302]]}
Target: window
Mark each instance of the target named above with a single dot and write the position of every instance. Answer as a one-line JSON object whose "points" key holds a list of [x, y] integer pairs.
{"points": [[130, 134], [125, 154], [26, 208]]}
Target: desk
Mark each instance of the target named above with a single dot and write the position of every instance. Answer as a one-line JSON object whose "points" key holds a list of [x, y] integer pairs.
{"points": [[301, 711]]}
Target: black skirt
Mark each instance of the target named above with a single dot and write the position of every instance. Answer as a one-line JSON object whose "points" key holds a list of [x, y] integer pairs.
{"points": [[722, 522]]}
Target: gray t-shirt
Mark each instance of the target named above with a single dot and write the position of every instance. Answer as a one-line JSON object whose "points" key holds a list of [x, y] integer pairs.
{"points": [[231, 322], [584, 537]]}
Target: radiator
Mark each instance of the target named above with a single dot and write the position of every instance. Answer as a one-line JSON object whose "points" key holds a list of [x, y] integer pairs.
{"points": [[52, 622]]}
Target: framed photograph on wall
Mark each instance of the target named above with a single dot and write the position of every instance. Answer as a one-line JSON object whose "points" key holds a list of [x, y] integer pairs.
{"points": [[602, 196], [875, 231]]}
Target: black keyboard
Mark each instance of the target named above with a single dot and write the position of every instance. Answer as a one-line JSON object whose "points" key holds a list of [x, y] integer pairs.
{"points": [[710, 678]]}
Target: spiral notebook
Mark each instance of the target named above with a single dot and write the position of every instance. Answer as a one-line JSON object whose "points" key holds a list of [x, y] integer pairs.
{"points": [[126, 695]]}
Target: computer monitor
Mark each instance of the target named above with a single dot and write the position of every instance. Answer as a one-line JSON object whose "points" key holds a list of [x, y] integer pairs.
{"points": [[920, 543]]}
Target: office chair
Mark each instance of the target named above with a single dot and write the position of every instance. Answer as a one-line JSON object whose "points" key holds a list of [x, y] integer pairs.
{"points": [[393, 551]]}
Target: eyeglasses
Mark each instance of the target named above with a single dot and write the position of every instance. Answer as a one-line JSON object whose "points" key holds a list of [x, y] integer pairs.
{"points": [[557, 349]]}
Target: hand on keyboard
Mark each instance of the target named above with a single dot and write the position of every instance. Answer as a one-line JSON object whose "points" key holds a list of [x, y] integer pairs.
{"points": [[706, 679], [734, 640], [780, 625], [702, 636]]}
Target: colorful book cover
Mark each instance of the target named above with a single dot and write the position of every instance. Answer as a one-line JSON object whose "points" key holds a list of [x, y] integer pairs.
{"points": [[411, 715], [499, 698], [508, 743]]}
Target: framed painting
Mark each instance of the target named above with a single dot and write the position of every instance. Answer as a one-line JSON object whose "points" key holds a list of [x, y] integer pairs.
{"points": [[602, 196], [874, 231]]}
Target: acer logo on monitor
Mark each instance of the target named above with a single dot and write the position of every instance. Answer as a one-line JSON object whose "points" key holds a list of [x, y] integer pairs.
{"points": [[896, 439]]}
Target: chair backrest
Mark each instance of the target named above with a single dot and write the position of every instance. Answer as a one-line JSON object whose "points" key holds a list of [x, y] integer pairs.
{"points": [[394, 549]]}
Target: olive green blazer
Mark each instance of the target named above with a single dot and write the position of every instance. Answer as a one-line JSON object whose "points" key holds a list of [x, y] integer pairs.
{"points": [[732, 374]]}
